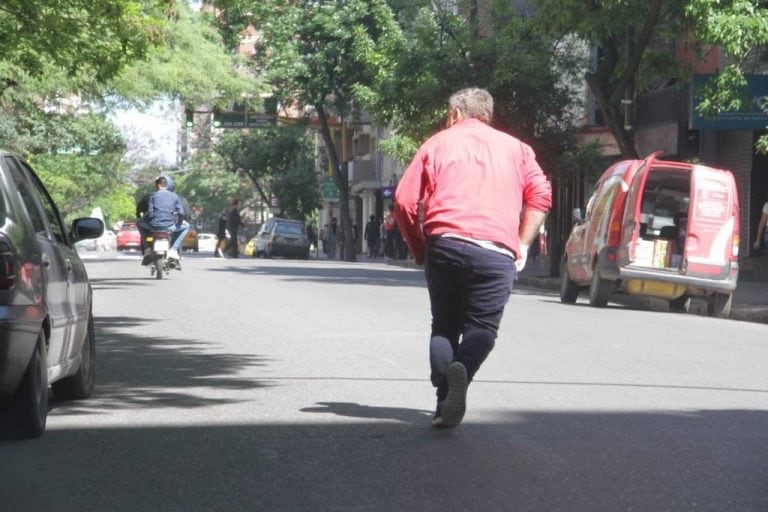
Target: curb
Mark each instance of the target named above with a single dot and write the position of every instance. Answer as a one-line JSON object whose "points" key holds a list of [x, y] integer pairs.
{"points": [[755, 313]]}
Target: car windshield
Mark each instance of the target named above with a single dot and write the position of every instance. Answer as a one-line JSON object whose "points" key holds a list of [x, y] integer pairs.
{"points": [[289, 229]]}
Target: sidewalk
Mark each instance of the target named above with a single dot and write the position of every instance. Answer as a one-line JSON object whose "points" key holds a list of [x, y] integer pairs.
{"points": [[750, 300]]}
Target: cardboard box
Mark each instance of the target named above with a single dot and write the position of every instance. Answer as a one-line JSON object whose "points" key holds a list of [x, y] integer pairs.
{"points": [[644, 253], [665, 254], [659, 254]]}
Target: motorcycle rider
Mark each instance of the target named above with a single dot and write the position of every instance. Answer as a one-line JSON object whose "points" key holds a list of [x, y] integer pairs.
{"points": [[163, 211]]}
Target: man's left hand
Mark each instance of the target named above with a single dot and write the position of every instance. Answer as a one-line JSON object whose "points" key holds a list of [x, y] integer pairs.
{"points": [[521, 260]]}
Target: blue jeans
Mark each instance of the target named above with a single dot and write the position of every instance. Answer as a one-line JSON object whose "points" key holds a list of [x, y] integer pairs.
{"points": [[469, 286], [180, 232]]}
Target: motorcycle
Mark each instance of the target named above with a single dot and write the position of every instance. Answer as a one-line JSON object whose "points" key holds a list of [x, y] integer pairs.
{"points": [[159, 243]]}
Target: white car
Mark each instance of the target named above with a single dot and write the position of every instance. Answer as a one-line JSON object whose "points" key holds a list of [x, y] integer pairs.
{"points": [[206, 242], [105, 243]]}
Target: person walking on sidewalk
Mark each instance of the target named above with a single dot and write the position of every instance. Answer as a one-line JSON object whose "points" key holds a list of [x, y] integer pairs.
{"points": [[221, 235], [390, 225], [372, 236], [469, 205], [233, 224], [762, 233]]}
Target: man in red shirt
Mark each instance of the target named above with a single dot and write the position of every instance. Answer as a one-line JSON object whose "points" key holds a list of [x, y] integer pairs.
{"points": [[469, 205]]}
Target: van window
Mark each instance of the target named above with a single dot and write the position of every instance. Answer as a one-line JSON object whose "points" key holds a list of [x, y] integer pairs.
{"points": [[664, 202]]}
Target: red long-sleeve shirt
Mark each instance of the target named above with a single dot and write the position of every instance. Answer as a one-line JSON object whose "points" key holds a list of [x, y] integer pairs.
{"points": [[473, 181]]}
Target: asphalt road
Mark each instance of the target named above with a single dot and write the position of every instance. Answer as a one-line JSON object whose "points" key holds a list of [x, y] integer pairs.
{"points": [[279, 385]]}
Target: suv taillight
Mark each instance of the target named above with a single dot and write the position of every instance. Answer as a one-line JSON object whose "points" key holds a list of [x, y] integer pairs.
{"points": [[8, 268]]}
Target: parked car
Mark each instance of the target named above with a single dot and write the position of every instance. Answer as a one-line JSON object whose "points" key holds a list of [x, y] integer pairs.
{"points": [[128, 237], [206, 242], [105, 243], [659, 229], [282, 237], [46, 321], [190, 243]]}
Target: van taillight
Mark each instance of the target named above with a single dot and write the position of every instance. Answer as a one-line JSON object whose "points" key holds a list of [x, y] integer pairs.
{"points": [[735, 246], [614, 222]]}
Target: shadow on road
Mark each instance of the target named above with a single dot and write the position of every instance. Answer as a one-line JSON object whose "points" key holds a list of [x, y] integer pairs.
{"points": [[136, 371], [353, 410], [335, 274], [521, 461]]}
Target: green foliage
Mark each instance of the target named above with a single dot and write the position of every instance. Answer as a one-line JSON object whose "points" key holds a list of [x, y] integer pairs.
{"points": [[89, 41], [79, 160], [279, 161], [319, 52], [634, 37], [194, 65], [514, 62], [209, 185], [740, 28]]}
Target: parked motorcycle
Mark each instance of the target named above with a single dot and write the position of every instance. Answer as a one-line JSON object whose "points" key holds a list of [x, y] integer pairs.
{"points": [[159, 243]]}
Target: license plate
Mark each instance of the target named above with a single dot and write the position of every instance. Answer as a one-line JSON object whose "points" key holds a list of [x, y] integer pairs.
{"points": [[162, 245]]}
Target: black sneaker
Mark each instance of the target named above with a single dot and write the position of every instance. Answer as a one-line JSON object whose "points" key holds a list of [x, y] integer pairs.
{"points": [[455, 404]]}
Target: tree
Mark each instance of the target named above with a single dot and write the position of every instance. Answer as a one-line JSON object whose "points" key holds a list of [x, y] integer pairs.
{"points": [[193, 67], [279, 161], [317, 54], [89, 41], [534, 80], [209, 185], [63, 63], [81, 164], [624, 31]]}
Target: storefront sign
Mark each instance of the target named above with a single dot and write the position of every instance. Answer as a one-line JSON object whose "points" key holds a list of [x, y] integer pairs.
{"points": [[752, 116]]}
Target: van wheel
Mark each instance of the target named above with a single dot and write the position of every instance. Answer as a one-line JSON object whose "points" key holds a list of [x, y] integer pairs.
{"points": [[80, 385], [682, 304], [569, 291], [719, 306], [31, 397], [599, 290]]}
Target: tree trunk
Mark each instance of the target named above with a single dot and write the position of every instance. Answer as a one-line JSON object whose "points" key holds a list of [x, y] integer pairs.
{"points": [[340, 177]]}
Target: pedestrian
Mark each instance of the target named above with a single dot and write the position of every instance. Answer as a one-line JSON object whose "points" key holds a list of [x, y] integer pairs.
{"points": [[312, 236], [762, 232], [390, 226], [233, 224], [221, 235], [469, 205], [332, 238], [372, 236]]}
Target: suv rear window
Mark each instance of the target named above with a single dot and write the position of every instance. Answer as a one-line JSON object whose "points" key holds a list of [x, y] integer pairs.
{"points": [[289, 229]]}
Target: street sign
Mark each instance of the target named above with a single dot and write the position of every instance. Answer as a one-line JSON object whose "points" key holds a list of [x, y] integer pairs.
{"points": [[242, 120], [330, 190]]}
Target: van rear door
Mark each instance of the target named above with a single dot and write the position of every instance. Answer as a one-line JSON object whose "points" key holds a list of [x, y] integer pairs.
{"points": [[630, 224], [712, 236]]}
